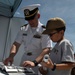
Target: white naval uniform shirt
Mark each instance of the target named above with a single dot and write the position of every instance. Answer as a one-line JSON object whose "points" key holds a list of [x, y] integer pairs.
{"points": [[33, 41]]}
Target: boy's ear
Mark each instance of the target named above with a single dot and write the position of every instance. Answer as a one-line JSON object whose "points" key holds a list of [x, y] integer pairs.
{"points": [[62, 31]]}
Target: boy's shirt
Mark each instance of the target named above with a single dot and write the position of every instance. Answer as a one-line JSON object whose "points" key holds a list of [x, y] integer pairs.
{"points": [[62, 52]]}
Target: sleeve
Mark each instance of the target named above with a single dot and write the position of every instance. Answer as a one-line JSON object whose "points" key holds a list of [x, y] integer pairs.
{"points": [[68, 52], [19, 37], [46, 41]]}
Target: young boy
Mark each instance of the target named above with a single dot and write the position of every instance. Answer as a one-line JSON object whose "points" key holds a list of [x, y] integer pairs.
{"points": [[62, 55]]}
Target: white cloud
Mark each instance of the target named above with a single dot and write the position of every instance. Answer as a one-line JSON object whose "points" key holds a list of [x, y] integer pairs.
{"points": [[17, 13]]}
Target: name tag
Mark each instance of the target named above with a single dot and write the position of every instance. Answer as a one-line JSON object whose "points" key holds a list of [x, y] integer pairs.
{"points": [[24, 34], [37, 36]]}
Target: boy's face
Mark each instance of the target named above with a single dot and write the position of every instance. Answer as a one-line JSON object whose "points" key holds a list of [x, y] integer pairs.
{"points": [[56, 36]]}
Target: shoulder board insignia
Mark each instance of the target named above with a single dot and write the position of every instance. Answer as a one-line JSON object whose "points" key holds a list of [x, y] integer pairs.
{"points": [[23, 27], [43, 26]]}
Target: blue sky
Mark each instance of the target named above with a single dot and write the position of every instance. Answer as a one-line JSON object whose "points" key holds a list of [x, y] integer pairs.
{"points": [[55, 8]]}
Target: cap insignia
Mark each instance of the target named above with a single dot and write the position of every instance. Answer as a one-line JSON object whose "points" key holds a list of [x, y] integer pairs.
{"points": [[26, 12]]}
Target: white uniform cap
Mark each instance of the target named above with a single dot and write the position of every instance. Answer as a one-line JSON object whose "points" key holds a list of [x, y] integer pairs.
{"points": [[31, 7], [30, 11]]}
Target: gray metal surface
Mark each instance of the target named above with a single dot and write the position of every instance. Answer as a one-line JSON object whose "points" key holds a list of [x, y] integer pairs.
{"points": [[5, 70], [18, 73]]}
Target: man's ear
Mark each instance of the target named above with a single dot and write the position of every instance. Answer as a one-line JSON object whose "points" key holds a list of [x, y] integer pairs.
{"points": [[38, 16]]}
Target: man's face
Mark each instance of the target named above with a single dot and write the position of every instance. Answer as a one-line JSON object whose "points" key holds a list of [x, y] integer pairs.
{"points": [[33, 22]]}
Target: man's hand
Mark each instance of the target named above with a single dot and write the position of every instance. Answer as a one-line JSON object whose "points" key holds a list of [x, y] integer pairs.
{"points": [[28, 64], [8, 60]]}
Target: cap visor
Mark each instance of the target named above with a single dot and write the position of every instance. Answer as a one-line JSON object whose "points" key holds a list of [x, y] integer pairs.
{"points": [[30, 18], [47, 32]]}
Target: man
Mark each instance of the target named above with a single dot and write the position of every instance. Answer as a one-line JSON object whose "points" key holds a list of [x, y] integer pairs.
{"points": [[36, 45]]}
